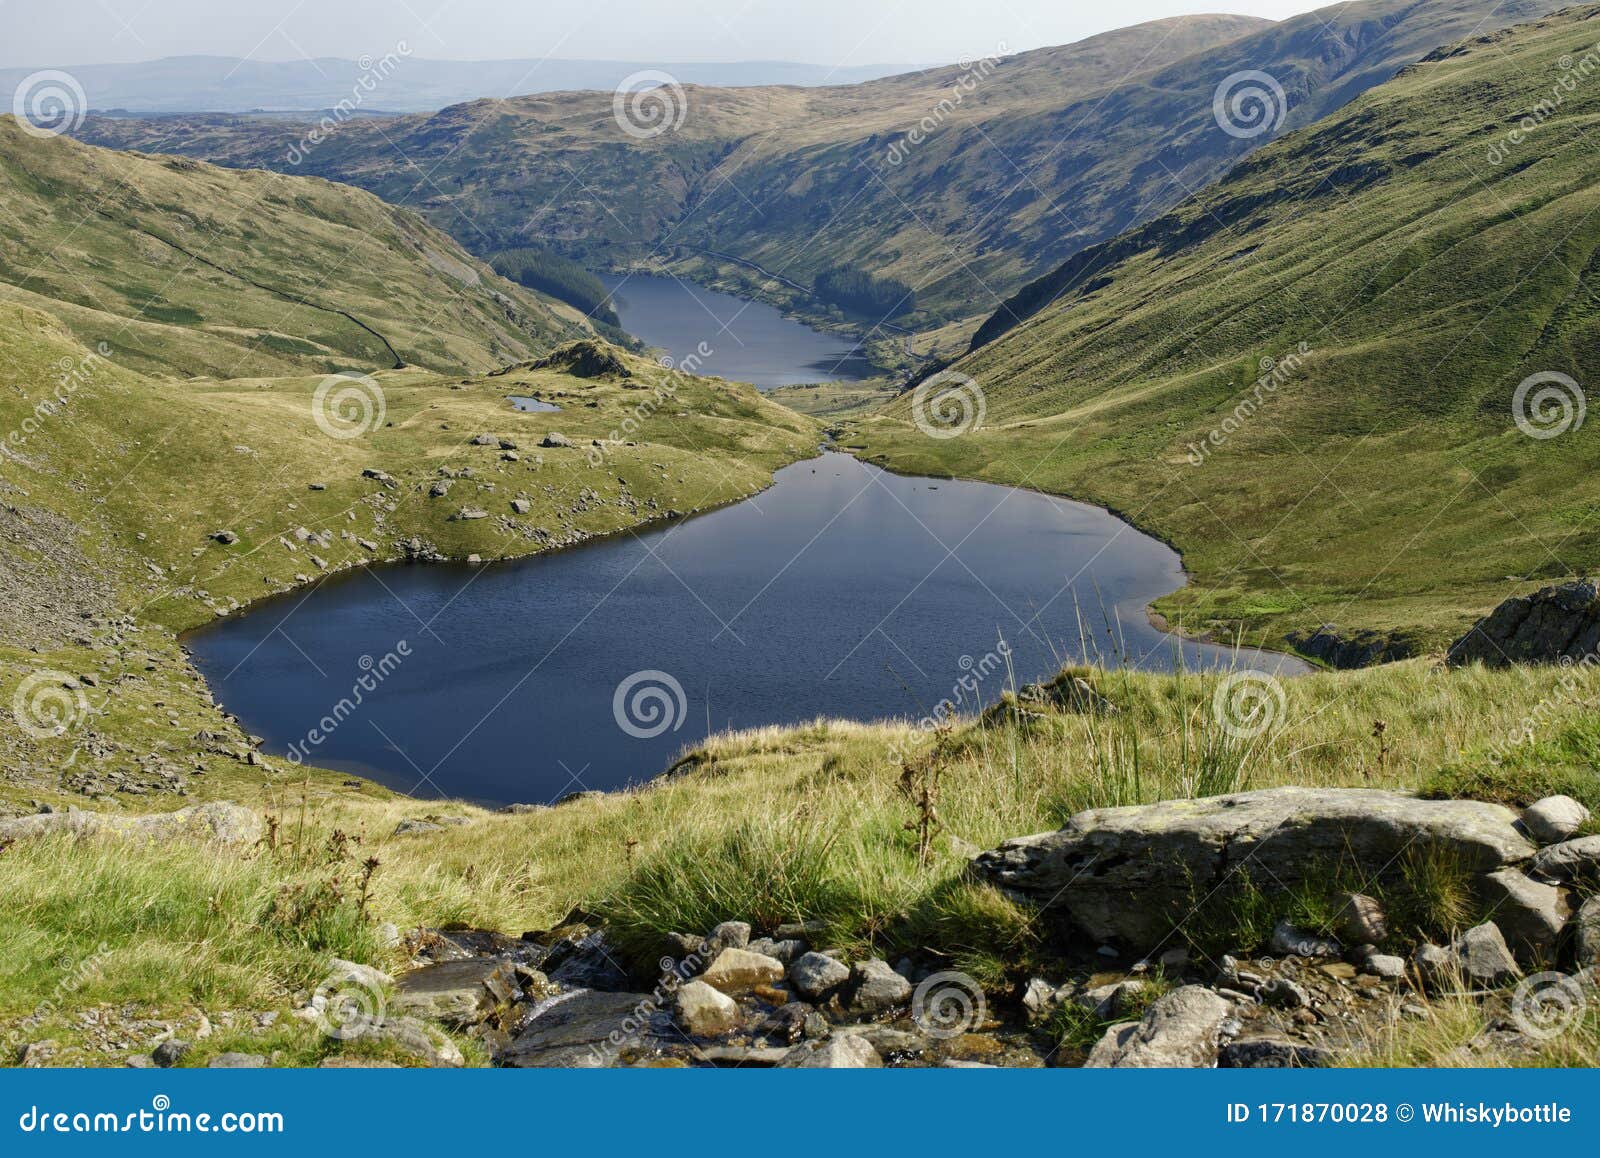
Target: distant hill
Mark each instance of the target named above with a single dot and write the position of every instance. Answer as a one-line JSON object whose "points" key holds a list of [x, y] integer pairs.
{"points": [[963, 184], [186, 268], [224, 84], [1348, 380]]}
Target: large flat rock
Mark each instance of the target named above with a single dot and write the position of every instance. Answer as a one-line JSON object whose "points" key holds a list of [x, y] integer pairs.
{"points": [[589, 1029], [218, 822], [1128, 874]]}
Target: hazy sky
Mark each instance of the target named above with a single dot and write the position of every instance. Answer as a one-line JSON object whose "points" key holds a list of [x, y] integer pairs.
{"points": [[836, 32]]}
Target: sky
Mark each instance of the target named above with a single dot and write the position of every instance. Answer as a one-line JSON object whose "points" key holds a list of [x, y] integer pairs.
{"points": [[834, 32]]}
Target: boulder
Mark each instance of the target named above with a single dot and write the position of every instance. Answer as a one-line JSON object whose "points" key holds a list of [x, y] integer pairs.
{"points": [[170, 1052], [237, 1061], [1586, 934], [875, 988], [1285, 994], [1573, 861], [1289, 940], [1483, 958], [816, 977], [704, 1011], [1530, 914], [739, 971], [1361, 919], [1182, 1030], [587, 1029], [848, 1052], [460, 993], [1385, 965], [785, 951], [554, 439], [729, 935], [1554, 819], [216, 821], [1129, 874], [1553, 624]]}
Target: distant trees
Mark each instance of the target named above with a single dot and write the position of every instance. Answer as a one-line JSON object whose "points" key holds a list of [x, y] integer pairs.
{"points": [[859, 292], [550, 273]]}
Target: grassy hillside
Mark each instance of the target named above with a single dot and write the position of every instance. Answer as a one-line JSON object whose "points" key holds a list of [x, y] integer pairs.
{"points": [[963, 184], [1405, 265], [184, 268]]}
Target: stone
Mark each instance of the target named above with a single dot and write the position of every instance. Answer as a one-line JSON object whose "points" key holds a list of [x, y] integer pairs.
{"points": [[1361, 919], [237, 1061], [1483, 957], [1586, 934], [1040, 999], [555, 440], [744, 1056], [739, 971], [1436, 966], [461, 993], [1573, 861], [423, 1042], [704, 1011], [469, 514], [170, 1052], [1530, 914], [521, 506], [875, 988], [1554, 819], [1553, 624], [1163, 853], [342, 972], [356, 1063], [849, 1052], [1290, 940], [1275, 1053], [587, 1029], [410, 827], [1110, 1001], [439, 489], [816, 977], [483, 440], [1282, 993], [812, 931], [216, 821], [886, 1039], [227, 538], [792, 1022], [785, 951], [1385, 965], [1180, 1030], [729, 935]]}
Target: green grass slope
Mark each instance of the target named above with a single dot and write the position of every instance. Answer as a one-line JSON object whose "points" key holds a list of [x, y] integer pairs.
{"points": [[1407, 265], [185, 268], [1020, 162]]}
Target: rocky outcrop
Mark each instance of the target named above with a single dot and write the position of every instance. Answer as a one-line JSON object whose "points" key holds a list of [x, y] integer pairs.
{"points": [[1127, 874], [217, 821], [1362, 649], [1553, 625], [586, 358]]}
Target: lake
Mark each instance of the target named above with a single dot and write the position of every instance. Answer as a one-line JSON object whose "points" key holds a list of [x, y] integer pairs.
{"points": [[842, 591], [706, 332]]}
